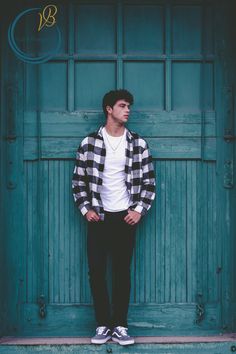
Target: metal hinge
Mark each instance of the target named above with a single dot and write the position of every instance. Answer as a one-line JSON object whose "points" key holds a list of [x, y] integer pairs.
{"points": [[229, 137], [42, 306], [200, 312], [11, 137], [200, 309]]}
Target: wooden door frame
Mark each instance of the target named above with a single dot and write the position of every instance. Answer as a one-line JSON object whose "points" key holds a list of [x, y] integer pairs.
{"points": [[227, 153], [12, 264], [225, 93]]}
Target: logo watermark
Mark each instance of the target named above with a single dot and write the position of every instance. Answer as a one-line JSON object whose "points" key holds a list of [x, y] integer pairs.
{"points": [[46, 18], [48, 15]]}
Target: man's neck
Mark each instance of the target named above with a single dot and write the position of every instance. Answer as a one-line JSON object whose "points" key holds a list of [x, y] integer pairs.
{"points": [[114, 130]]}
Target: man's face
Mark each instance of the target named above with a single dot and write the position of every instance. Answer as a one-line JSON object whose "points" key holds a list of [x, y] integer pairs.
{"points": [[120, 111]]}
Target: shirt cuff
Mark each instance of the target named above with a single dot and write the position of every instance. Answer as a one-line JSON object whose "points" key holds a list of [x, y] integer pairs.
{"points": [[139, 209], [85, 209]]}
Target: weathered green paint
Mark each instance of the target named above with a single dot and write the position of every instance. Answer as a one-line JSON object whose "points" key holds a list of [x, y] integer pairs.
{"points": [[182, 262], [55, 127]]}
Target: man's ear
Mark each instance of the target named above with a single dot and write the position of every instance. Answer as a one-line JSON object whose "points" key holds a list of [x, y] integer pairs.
{"points": [[109, 109]]}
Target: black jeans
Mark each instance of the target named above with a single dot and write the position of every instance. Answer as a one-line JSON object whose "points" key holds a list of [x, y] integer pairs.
{"points": [[112, 235]]}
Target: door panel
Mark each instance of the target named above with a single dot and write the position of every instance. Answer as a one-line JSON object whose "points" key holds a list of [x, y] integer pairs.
{"points": [[167, 62], [166, 269]]}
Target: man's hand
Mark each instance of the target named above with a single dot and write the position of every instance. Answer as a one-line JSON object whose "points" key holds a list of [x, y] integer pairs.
{"points": [[91, 215], [133, 217]]}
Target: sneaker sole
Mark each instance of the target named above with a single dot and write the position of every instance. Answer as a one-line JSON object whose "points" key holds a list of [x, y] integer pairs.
{"points": [[131, 341], [100, 341]]}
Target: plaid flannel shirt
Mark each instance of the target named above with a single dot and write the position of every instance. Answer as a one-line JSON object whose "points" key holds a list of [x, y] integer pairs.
{"points": [[89, 165]]}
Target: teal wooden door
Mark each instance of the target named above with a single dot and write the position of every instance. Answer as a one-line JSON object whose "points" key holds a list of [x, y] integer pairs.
{"points": [[165, 54]]}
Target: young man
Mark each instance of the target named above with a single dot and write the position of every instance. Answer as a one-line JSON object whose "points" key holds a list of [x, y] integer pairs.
{"points": [[113, 186]]}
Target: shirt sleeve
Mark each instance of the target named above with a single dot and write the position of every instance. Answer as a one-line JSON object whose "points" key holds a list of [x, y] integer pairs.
{"points": [[80, 183], [147, 194]]}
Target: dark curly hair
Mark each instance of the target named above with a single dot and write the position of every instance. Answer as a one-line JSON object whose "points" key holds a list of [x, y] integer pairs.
{"points": [[111, 97]]}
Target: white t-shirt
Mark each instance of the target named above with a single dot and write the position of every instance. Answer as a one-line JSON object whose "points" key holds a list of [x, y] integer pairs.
{"points": [[114, 192]]}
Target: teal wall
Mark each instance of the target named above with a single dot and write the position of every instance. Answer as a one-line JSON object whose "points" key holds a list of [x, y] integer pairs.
{"points": [[183, 259], [2, 170]]}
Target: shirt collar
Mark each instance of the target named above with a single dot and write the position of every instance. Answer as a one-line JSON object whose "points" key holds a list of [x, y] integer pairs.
{"points": [[129, 135]]}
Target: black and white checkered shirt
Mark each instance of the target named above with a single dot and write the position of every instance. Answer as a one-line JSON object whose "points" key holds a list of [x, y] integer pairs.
{"points": [[89, 166]]}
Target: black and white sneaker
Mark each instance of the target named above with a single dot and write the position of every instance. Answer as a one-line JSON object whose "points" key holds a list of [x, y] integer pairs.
{"points": [[103, 334], [120, 335]]}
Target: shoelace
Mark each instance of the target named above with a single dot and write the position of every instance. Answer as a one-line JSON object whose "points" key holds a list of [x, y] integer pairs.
{"points": [[100, 329], [123, 330]]}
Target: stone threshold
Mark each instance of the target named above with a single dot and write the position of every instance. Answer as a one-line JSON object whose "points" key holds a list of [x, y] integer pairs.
{"points": [[229, 337]]}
